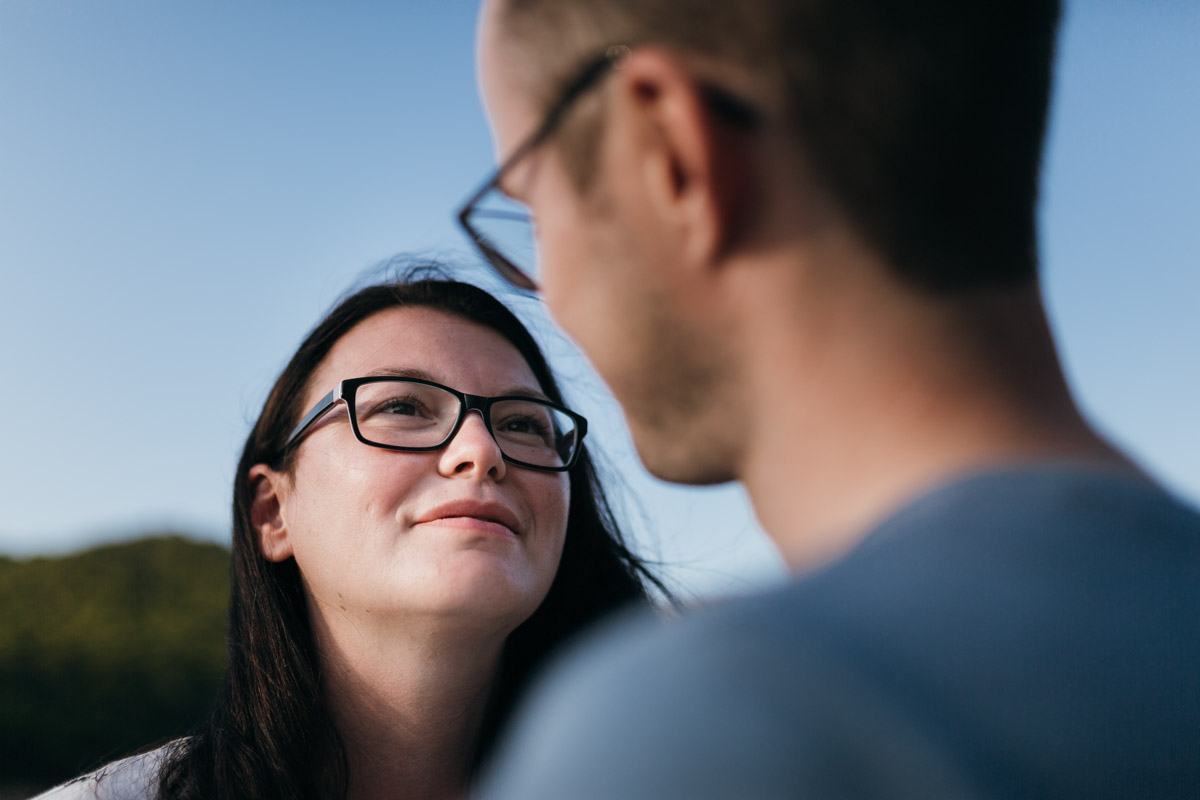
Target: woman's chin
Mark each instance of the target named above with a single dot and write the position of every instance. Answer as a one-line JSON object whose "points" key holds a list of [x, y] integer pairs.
{"points": [[484, 589]]}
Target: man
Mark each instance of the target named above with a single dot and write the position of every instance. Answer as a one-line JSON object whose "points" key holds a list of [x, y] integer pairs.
{"points": [[798, 240]]}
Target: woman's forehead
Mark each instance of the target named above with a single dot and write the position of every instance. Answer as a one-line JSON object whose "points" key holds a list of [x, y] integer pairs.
{"points": [[444, 346]]}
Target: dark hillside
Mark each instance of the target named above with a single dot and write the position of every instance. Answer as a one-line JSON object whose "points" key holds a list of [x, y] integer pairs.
{"points": [[106, 651]]}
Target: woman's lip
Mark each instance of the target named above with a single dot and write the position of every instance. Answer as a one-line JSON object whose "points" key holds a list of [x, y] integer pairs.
{"points": [[471, 513], [471, 524]]}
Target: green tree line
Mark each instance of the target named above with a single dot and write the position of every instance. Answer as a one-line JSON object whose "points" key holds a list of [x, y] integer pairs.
{"points": [[104, 652]]}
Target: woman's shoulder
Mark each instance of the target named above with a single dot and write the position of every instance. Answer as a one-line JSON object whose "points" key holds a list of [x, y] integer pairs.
{"points": [[132, 778]]}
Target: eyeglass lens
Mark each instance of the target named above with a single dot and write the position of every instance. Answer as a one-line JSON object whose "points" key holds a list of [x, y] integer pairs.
{"points": [[506, 226], [405, 414]]}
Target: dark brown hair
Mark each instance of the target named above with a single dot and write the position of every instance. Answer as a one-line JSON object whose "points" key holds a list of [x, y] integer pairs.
{"points": [[923, 119], [270, 734]]}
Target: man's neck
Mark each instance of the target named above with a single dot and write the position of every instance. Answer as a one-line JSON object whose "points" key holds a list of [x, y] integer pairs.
{"points": [[894, 397]]}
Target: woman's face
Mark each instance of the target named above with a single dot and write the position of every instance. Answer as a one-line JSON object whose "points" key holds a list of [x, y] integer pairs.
{"points": [[456, 534]]}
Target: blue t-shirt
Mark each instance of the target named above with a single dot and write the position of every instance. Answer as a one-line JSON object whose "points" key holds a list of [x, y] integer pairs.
{"points": [[1030, 632]]}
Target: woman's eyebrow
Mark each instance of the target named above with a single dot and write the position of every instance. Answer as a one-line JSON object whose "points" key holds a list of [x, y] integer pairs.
{"points": [[524, 391], [515, 390], [402, 372]]}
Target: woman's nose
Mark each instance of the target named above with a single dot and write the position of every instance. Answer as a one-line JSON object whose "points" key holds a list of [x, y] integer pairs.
{"points": [[473, 451]]}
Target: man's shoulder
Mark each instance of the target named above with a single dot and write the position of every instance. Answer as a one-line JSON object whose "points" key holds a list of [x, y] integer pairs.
{"points": [[709, 706], [1005, 613], [1053, 542]]}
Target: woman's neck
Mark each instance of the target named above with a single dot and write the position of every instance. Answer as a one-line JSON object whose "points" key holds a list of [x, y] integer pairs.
{"points": [[409, 701]]}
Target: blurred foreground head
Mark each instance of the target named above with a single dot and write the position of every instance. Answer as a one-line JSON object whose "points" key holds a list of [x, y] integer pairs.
{"points": [[847, 162], [922, 121]]}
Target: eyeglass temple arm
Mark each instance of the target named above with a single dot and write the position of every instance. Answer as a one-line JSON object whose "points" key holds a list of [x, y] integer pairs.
{"points": [[323, 405], [589, 75]]}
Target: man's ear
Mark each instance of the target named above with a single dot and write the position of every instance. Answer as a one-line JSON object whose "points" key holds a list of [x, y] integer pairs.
{"points": [[694, 160], [266, 512]]}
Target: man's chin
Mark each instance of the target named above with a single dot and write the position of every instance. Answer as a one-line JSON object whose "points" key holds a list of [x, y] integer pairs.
{"points": [[672, 459]]}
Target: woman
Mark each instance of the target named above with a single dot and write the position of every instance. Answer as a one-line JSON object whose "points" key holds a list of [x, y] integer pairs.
{"points": [[407, 549]]}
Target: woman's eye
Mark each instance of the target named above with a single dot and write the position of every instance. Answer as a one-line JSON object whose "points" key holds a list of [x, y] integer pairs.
{"points": [[400, 407], [528, 425]]}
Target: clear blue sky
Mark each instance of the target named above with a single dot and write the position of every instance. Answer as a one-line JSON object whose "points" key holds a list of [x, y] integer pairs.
{"points": [[186, 187]]}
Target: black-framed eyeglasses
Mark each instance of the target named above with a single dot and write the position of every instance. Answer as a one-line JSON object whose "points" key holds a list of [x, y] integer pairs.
{"points": [[415, 415], [501, 227]]}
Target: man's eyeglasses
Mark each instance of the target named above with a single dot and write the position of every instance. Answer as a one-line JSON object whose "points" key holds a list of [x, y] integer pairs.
{"points": [[415, 415], [502, 228]]}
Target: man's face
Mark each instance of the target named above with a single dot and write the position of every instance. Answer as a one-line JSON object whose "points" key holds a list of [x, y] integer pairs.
{"points": [[566, 228], [606, 270]]}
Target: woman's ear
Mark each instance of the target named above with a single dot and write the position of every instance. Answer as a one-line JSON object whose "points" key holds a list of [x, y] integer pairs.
{"points": [[266, 512]]}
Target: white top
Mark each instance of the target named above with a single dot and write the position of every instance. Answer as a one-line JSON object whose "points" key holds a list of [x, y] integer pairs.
{"points": [[133, 778]]}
